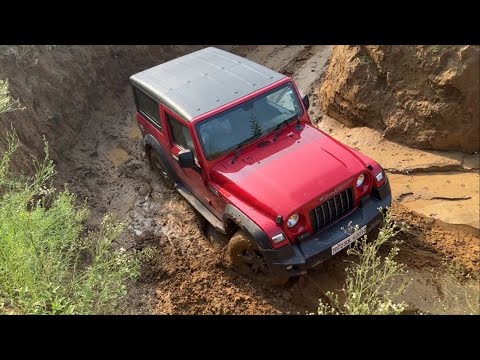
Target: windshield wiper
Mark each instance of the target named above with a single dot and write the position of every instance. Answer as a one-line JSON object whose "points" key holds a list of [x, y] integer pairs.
{"points": [[239, 147], [283, 123]]}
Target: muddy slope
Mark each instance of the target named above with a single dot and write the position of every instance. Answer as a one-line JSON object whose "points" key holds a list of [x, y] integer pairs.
{"points": [[422, 96], [60, 85]]}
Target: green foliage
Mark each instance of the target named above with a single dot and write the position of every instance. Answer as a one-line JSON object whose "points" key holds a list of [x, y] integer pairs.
{"points": [[435, 49], [365, 59], [460, 293], [25, 55], [49, 264], [370, 287], [7, 103]]}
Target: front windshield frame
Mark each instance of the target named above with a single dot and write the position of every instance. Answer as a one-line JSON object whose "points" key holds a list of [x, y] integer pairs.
{"points": [[299, 113]]}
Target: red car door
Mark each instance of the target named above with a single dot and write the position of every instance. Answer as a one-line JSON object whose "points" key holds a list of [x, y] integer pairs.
{"points": [[193, 178]]}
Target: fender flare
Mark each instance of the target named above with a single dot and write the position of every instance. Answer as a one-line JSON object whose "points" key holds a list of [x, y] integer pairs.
{"points": [[154, 144], [245, 223]]}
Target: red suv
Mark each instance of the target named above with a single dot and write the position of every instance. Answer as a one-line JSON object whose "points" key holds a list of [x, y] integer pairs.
{"points": [[235, 139]]}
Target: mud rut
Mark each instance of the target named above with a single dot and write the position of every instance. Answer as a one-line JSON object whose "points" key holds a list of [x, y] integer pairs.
{"points": [[188, 272]]}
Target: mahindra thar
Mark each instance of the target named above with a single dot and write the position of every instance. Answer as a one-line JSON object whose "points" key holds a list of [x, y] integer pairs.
{"points": [[235, 139]]}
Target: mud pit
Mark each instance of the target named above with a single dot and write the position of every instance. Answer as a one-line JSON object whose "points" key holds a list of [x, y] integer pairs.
{"points": [[188, 274]]}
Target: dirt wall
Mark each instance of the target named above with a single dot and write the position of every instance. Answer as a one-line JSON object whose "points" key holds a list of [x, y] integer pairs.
{"points": [[61, 85], [422, 96]]}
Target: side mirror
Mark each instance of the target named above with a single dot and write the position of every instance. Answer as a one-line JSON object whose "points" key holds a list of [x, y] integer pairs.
{"points": [[186, 159], [306, 102]]}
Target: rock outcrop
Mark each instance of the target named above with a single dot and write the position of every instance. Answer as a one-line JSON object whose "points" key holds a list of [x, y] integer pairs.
{"points": [[422, 96]]}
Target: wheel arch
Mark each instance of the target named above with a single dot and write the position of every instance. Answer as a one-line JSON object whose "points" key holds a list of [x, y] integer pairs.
{"points": [[234, 219], [151, 144]]}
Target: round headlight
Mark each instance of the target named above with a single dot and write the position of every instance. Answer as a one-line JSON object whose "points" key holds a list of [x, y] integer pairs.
{"points": [[360, 180], [293, 220]]}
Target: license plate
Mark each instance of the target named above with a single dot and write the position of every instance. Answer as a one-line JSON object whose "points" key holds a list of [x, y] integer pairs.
{"points": [[347, 241]]}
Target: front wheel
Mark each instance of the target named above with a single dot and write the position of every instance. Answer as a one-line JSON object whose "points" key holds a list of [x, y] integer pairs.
{"points": [[245, 255]]}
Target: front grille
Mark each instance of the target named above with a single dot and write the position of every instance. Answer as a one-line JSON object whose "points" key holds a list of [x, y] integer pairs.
{"points": [[332, 210]]}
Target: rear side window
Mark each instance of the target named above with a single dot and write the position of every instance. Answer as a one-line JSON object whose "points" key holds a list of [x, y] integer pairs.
{"points": [[180, 134], [148, 107]]}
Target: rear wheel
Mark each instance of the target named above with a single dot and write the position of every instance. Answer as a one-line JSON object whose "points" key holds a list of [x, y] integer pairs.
{"points": [[157, 166], [246, 256]]}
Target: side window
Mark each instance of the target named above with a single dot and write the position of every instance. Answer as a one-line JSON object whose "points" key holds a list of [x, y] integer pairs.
{"points": [[180, 134], [148, 107]]}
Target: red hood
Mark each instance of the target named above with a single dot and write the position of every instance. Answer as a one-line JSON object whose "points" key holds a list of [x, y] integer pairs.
{"points": [[280, 177]]}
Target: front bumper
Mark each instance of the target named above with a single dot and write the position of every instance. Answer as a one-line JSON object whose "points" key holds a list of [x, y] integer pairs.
{"points": [[314, 249]]}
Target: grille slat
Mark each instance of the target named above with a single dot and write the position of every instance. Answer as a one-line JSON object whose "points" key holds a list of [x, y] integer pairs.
{"points": [[336, 208], [317, 218], [324, 216], [341, 201], [332, 209], [263, 143]]}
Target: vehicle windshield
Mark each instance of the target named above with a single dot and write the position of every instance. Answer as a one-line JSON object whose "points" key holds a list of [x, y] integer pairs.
{"points": [[249, 120]]}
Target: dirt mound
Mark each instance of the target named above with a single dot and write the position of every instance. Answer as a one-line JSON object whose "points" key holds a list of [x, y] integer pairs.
{"points": [[423, 96], [438, 237]]}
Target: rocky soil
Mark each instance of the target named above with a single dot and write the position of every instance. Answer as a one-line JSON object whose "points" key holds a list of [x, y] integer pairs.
{"points": [[427, 97]]}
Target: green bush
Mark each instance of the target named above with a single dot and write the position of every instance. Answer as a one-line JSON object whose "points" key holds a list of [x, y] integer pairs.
{"points": [[7, 103], [25, 55], [49, 263], [459, 291], [370, 285]]}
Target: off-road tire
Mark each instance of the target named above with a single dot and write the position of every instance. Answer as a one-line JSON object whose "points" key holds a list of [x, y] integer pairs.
{"points": [[241, 249], [158, 167]]}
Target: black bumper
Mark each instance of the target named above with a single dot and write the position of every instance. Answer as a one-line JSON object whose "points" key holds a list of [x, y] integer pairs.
{"points": [[295, 259]]}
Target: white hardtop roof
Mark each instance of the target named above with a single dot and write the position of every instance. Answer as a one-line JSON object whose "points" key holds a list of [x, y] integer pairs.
{"points": [[204, 80]]}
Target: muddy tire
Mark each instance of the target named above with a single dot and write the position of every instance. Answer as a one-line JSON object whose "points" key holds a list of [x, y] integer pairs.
{"points": [[215, 238], [245, 256], [157, 166]]}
